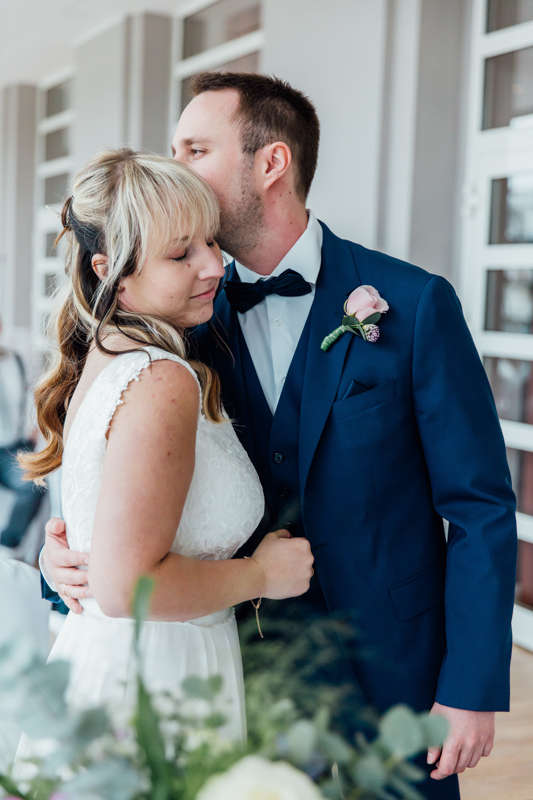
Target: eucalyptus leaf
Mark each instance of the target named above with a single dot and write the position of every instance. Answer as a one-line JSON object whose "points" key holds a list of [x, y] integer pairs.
{"points": [[370, 773], [141, 602], [301, 741], [147, 726], [435, 729], [401, 731], [350, 321], [409, 771], [335, 748]]}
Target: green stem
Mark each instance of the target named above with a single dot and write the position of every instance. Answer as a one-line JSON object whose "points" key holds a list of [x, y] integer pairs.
{"points": [[333, 336]]}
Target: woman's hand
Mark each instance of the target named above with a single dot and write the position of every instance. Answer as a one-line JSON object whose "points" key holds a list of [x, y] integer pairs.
{"points": [[287, 564]]}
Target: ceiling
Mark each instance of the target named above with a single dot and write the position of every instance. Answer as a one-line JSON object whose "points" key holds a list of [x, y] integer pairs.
{"points": [[37, 36]]}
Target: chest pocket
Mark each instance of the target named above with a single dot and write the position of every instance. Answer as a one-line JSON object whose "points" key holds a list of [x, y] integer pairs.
{"points": [[363, 400]]}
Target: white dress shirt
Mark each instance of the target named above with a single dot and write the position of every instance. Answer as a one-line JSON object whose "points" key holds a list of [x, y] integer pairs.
{"points": [[273, 327]]}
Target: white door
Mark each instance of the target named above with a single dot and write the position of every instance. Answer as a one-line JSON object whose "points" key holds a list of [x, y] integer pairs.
{"points": [[497, 251]]}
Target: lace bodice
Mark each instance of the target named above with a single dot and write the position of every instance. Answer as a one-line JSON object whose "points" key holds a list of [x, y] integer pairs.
{"points": [[225, 501]]}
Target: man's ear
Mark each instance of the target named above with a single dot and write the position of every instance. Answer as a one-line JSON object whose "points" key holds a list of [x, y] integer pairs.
{"points": [[99, 264], [275, 162]]}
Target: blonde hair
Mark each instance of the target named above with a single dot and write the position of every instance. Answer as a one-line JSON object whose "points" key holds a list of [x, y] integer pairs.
{"points": [[128, 206]]}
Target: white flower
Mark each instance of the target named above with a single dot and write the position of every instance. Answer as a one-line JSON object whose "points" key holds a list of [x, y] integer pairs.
{"points": [[256, 778]]}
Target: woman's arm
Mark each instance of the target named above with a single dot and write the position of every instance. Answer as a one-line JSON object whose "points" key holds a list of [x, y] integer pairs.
{"points": [[147, 472]]}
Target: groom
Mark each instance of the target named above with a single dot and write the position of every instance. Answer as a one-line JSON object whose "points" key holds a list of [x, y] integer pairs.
{"points": [[375, 443]]}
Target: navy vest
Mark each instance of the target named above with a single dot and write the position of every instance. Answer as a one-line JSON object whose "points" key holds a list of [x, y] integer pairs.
{"points": [[275, 439]]}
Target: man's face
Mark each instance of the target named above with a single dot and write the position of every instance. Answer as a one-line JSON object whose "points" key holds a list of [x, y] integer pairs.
{"points": [[207, 139]]}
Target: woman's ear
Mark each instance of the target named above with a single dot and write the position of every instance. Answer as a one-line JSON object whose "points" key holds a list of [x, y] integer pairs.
{"points": [[99, 264]]}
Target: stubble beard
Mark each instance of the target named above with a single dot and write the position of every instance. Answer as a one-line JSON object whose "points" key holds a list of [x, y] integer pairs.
{"points": [[241, 218]]}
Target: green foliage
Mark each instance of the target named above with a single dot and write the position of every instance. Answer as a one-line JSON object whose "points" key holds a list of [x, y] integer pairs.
{"points": [[169, 755]]}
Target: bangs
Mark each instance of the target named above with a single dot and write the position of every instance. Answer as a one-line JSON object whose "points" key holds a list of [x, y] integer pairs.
{"points": [[178, 205]]}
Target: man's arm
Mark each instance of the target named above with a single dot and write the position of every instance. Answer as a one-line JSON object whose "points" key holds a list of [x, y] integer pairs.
{"points": [[471, 488]]}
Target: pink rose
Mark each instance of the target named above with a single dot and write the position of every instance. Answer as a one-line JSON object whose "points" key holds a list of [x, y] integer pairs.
{"points": [[364, 301]]}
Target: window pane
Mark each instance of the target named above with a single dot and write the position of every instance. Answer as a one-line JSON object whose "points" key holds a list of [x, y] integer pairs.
{"points": [[504, 13], [55, 189], [509, 90], [50, 283], [50, 249], [249, 63], [509, 301], [521, 467], [512, 384], [219, 23], [511, 210], [57, 144], [58, 98]]}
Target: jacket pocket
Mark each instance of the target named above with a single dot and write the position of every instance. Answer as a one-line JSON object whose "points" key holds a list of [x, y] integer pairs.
{"points": [[364, 400], [419, 593]]}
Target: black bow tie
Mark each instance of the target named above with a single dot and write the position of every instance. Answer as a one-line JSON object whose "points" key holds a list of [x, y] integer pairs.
{"points": [[244, 296]]}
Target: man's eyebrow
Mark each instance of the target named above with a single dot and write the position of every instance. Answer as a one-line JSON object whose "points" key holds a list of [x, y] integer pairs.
{"points": [[194, 140]]}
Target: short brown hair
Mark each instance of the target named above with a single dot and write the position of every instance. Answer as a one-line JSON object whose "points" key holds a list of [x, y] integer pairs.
{"points": [[271, 110]]}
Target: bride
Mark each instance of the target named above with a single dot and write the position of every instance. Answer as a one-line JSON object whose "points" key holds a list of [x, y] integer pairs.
{"points": [[155, 481]]}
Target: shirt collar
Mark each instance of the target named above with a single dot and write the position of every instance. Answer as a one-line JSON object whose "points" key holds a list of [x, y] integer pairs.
{"points": [[305, 256]]}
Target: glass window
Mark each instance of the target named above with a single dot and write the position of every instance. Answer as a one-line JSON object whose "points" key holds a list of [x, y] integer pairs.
{"points": [[50, 283], [509, 301], [521, 467], [219, 23], [57, 144], [249, 63], [50, 249], [504, 13], [55, 189], [509, 90], [58, 98], [511, 210], [512, 384]]}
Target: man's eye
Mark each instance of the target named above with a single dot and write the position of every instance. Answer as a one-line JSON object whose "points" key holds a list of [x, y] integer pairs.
{"points": [[195, 153]]}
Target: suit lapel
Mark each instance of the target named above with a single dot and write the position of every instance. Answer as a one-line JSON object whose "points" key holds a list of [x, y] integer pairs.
{"points": [[337, 278]]}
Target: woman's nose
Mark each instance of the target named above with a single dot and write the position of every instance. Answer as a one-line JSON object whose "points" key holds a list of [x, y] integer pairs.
{"points": [[213, 266]]}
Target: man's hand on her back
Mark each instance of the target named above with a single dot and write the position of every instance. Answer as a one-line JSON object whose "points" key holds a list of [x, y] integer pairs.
{"points": [[61, 564]]}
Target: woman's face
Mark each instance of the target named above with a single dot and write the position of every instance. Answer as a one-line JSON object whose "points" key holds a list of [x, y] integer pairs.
{"points": [[179, 286]]}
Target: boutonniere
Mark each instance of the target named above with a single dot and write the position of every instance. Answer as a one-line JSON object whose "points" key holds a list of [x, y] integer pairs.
{"points": [[363, 310]]}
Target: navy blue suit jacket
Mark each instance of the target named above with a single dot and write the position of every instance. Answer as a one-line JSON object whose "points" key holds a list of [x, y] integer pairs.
{"points": [[394, 437]]}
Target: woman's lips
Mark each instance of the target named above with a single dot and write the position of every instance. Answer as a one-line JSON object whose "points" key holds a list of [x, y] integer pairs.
{"points": [[205, 295]]}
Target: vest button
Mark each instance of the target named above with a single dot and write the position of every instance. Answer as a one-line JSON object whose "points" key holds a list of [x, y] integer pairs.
{"points": [[283, 491], [279, 458]]}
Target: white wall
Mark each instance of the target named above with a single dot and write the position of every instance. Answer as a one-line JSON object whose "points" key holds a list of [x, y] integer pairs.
{"points": [[335, 52]]}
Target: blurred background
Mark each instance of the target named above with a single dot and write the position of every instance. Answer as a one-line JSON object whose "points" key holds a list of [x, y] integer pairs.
{"points": [[427, 152]]}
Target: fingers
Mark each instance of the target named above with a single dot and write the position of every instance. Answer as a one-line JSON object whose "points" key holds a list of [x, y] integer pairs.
{"points": [[72, 577], [283, 534], [75, 592], [488, 746], [433, 755], [72, 605], [67, 558], [447, 763], [475, 757], [55, 526]]}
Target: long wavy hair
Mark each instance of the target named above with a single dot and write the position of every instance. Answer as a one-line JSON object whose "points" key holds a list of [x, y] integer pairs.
{"points": [[128, 206]]}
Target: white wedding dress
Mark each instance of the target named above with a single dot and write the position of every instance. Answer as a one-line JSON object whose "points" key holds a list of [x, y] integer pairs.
{"points": [[223, 508]]}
